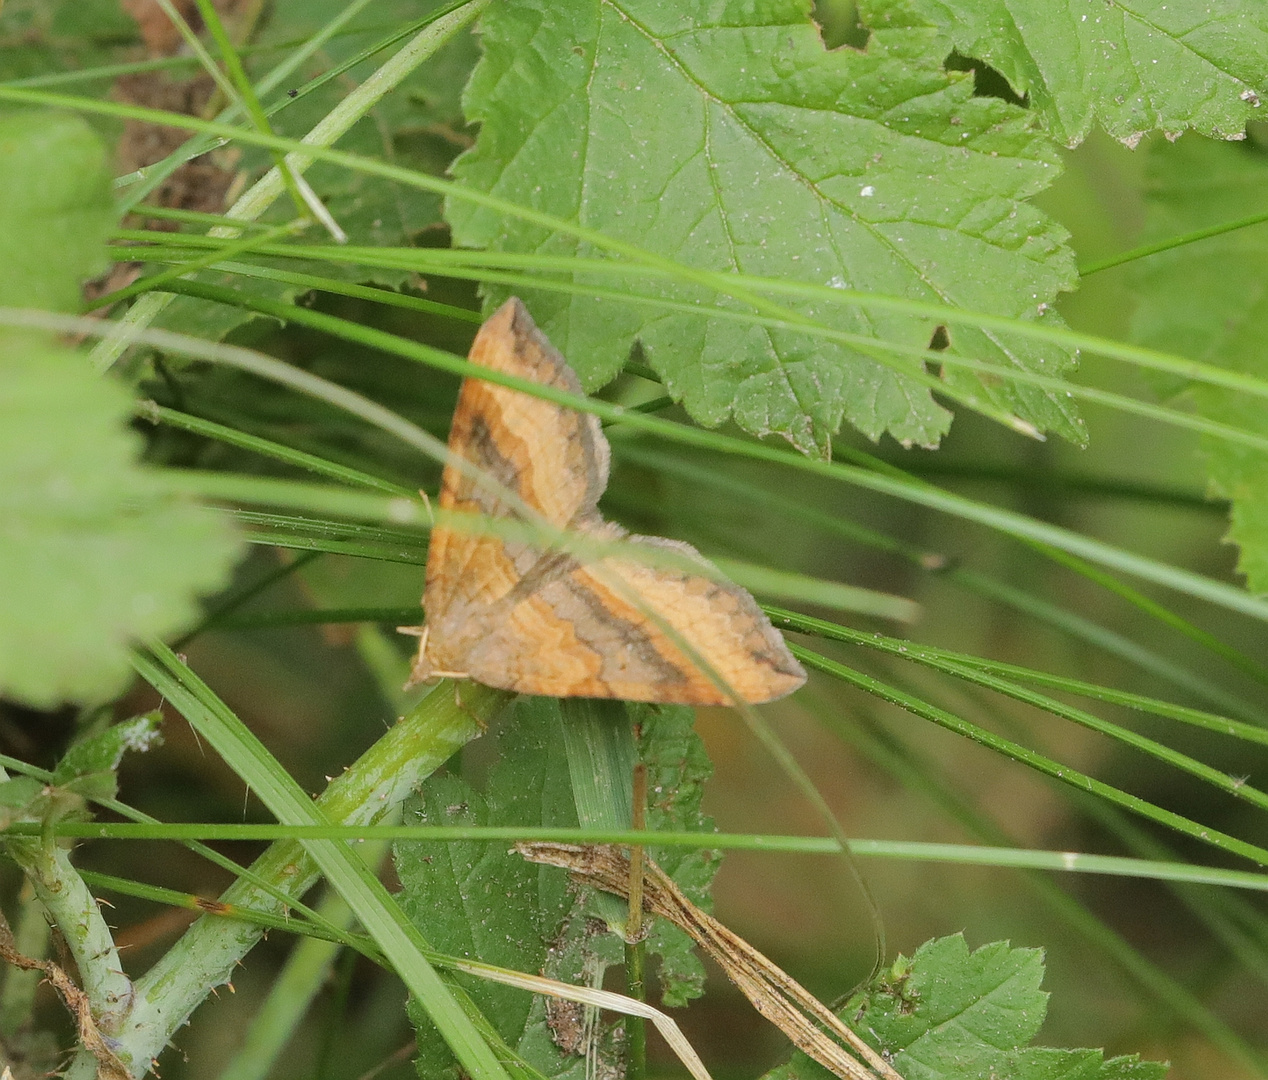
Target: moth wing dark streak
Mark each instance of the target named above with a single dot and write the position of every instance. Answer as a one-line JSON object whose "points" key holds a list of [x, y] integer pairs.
{"points": [[596, 453], [634, 639]]}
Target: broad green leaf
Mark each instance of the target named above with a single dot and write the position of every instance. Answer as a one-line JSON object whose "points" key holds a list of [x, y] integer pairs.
{"points": [[726, 137], [951, 1014], [1209, 301], [947, 1002], [1150, 65], [481, 900], [94, 554], [55, 209]]}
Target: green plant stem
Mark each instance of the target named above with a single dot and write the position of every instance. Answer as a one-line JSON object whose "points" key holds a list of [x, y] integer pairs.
{"points": [[289, 998], [397, 938], [370, 791], [310, 961], [331, 127], [1170, 243], [961, 854], [78, 917], [635, 1027]]}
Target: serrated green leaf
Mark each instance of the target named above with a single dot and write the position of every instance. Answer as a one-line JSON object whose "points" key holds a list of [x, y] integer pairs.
{"points": [[1209, 301], [951, 1014], [1042, 1063], [1152, 65], [946, 1003], [94, 553], [55, 209], [483, 901], [726, 137], [102, 752]]}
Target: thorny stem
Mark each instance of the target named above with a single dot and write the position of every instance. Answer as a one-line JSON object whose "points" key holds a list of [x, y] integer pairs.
{"points": [[75, 911], [369, 792]]}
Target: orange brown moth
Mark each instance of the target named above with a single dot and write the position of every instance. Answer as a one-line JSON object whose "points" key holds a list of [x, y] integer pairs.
{"points": [[508, 614]]}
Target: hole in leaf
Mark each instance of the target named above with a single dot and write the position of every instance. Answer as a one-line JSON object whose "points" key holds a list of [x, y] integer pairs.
{"points": [[939, 340], [987, 82], [839, 24]]}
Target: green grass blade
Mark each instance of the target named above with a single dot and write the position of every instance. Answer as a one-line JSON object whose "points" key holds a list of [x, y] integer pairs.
{"points": [[153, 282], [158, 414], [933, 562], [1162, 614], [1125, 648], [1005, 521], [146, 180], [884, 352], [975, 674], [1040, 763], [1239, 926], [908, 650], [1161, 869], [1171, 243], [378, 295], [342, 866], [901, 762]]}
